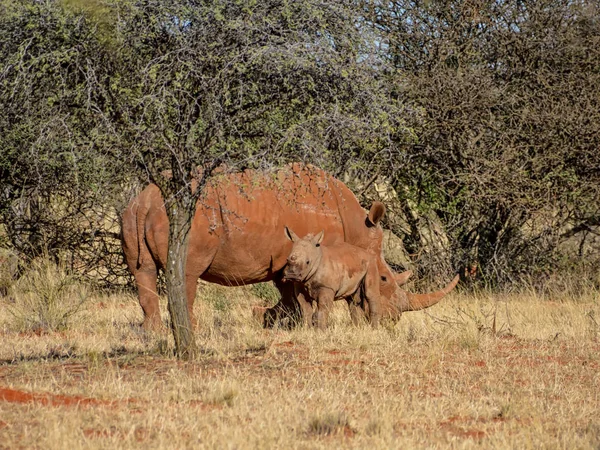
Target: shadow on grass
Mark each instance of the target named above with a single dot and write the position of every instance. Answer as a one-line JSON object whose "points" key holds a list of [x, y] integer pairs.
{"points": [[65, 353], [70, 353]]}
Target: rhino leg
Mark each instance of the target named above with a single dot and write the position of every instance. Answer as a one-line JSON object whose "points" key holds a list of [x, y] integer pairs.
{"points": [[356, 307], [146, 284], [198, 262], [191, 283], [305, 303], [324, 306], [140, 262], [292, 309], [371, 290]]}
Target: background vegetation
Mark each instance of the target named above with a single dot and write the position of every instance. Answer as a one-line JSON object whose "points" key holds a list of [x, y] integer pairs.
{"points": [[506, 159], [477, 122]]}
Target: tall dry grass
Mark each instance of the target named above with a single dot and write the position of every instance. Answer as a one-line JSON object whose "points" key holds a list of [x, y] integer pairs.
{"points": [[47, 297], [481, 371]]}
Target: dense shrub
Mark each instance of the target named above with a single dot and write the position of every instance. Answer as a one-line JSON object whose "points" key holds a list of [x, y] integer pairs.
{"points": [[46, 298], [506, 157], [478, 120]]}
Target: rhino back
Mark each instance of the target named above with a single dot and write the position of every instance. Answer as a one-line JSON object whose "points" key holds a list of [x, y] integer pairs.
{"points": [[240, 222], [254, 210]]}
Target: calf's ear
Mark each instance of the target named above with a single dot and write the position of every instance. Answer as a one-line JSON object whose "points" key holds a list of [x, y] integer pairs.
{"points": [[291, 235], [375, 214], [318, 238]]}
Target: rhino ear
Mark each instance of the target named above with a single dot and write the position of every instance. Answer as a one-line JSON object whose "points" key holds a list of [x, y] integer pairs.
{"points": [[402, 278], [291, 235], [318, 238], [375, 214]]}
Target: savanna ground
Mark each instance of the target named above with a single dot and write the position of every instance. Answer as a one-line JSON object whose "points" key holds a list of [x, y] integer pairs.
{"points": [[472, 371]]}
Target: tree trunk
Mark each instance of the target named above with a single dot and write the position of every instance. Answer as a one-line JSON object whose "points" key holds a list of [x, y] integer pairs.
{"points": [[180, 222]]}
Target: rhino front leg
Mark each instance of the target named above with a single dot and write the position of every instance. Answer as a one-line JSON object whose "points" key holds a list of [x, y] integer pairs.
{"points": [[357, 308], [305, 304], [372, 296], [324, 305]]}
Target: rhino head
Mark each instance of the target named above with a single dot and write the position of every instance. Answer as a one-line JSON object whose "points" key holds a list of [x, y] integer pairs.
{"points": [[394, 300], [304, 258]]}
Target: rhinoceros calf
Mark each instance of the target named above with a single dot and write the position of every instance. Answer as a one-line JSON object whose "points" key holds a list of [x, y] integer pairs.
{"points": [[338, 271]]}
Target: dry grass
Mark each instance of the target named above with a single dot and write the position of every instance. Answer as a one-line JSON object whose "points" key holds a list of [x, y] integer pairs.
{"points": [[46, 297], [517, 372]]}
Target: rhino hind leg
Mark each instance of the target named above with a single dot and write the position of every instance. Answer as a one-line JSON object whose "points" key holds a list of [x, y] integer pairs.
{"points": [[148, 297], [140, 263]]}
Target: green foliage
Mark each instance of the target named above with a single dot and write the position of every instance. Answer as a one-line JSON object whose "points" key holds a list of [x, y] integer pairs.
{"points": [[483, 116], [267, 292], [57, 185], [247, 84], [9, 268], [220, 301]]}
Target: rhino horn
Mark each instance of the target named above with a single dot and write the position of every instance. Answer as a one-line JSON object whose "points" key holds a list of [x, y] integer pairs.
{"points": [[417, 302]]}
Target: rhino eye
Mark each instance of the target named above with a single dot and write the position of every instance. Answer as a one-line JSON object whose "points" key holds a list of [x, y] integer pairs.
{"points": [[383, 278], [307, 262], [318, 245]]}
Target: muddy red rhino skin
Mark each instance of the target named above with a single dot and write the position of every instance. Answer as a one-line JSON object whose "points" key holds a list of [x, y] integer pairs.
{"points": [[236, 236]]}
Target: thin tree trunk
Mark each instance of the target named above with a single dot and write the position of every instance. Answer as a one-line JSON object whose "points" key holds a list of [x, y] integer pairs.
{"points": [[180, 220]]}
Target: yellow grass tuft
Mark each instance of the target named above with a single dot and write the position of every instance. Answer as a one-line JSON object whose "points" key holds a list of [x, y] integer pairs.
{"points": [[46, 298]]}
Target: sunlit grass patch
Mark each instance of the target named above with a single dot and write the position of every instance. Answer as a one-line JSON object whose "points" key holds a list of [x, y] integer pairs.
{"points": [[46, 298]]}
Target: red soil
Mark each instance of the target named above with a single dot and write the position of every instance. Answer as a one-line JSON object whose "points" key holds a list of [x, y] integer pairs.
{"points": [[16, 396], [47, 399], [452, 426]]}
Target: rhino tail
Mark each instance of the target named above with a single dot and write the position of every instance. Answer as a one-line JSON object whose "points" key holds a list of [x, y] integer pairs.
{"points": [[417, 302]]}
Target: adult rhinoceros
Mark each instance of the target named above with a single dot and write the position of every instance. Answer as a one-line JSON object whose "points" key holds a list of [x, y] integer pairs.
{"points": [[237, 236]]}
